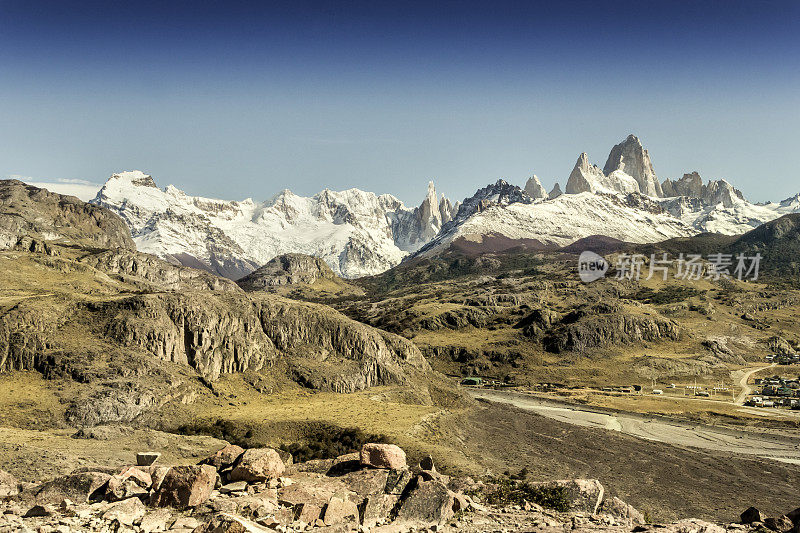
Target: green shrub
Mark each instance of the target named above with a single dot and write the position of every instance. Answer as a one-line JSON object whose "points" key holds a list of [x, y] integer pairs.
{"points": [[221, 429], [328, 442], [519, 492]]}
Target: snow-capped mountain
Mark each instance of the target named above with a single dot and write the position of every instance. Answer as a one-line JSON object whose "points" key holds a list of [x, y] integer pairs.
{"points": [[360, 233], [557, 222], [357, 233], [624, 201]]}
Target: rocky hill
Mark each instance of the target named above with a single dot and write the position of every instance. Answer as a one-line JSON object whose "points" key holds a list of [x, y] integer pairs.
{"points": [[29, 215], [288, 269], [99, 317]]}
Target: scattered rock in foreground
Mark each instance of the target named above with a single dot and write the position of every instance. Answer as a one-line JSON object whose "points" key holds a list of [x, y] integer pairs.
{"points": [[383, 456], [376, 491]]}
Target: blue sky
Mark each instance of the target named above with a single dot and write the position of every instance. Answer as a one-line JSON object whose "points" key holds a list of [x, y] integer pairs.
{"points": [[236, 99]]}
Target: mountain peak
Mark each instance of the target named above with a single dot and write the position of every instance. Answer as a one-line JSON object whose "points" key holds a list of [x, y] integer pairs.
{"points": [[534, 188], [631, 158], [135, 177]]}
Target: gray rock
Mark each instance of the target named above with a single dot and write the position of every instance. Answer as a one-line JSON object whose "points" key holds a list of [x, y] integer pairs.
{"points": [[378, 455], [224, 458], [431, 502], [238, 486], [257, 465], [340, 510], [622, 511], [185, 486], [79, 488], [8, 485], [126, 512]]}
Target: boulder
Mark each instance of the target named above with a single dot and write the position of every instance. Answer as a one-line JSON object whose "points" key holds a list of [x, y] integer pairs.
{"points": [[131, 482], [8, 485], [584, 495], [377, 508], [126, 512], [39, 511], [307, 512], [257, 465], [751, 515], [146, 458], [237, 486], [622, 511], [780, 524], [340, 510], [794, 516], [431, 502], [227, 523], [366, 482], [186, 522], [397, 481], [79, 488], [312, 488], [157, 520], [349, 462], [157, 474], [383, 456], [427, 464], [122, 489], [185, 486], [224, 458]]}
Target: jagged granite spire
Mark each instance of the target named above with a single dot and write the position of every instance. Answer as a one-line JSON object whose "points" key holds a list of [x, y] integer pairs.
{"points": [[534, 188], [555, 192], [631, 158]]}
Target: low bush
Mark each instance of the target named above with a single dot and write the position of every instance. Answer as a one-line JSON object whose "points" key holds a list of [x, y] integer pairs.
{"points": [[518, 492], [328, 442]]}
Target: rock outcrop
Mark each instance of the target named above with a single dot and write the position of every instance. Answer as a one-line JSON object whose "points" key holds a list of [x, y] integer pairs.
{"points": [[33, 213], [139, 266], [718, 192], [288, 269], [603, 325], [555, 192], [213, 333]]}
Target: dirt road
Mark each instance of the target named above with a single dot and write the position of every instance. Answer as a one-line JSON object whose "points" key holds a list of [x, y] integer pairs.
{"points": [[746, 389]]}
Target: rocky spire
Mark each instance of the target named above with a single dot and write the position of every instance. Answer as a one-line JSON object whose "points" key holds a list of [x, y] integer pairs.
{"points": [[555, 192], [584, 176], [713, 193], [534, 188], [446, 210], [631, 158]]}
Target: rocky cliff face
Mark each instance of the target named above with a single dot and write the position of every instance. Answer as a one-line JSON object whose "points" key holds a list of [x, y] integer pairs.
{"points": [[212, 333], [586, 177], [713, 193], [139, 266], [29, 212], [631, 158]]}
